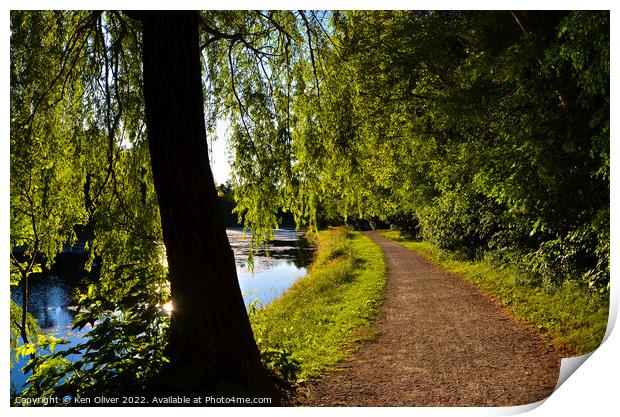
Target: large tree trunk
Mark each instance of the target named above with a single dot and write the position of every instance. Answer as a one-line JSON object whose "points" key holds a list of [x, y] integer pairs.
{"points": [[211, 346]]}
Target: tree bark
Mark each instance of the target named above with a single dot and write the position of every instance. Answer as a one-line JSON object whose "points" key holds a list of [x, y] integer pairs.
{"points": [[211, 345], [24, 326]]}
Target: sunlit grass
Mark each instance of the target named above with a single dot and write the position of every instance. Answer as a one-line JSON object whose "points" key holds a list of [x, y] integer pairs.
{"points": [[319, 319], [566, 314]]}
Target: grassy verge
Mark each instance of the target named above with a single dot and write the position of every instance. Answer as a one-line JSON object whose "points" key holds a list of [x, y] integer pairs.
{"points": [[567, 314], [317, 322]]}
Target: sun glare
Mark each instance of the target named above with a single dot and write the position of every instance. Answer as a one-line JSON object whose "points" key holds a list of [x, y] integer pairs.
{"points": [[168, 307]]}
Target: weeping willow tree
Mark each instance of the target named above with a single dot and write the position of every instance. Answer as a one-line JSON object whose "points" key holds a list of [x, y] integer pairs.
{"points": [[78, 160], [108, 134]]}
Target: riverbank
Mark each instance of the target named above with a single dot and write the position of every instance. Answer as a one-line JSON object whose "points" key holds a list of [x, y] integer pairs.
{"points": [[319, 320], [51, 303], [569, 316]]}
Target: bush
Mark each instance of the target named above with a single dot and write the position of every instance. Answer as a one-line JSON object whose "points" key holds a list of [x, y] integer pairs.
{"points": [[581, 254]]}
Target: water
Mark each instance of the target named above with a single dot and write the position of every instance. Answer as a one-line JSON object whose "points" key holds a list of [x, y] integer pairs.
{"points": [[289, 255], [49, 301]]}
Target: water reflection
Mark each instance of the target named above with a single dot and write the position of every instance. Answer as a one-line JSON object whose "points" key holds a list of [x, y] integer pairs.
{"points": [[286, 245], [266, 285], [289, 255], [49, 301]]}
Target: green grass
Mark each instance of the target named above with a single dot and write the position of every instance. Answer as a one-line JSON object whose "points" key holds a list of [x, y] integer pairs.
{"points": [[567, 314], [318, 321]]}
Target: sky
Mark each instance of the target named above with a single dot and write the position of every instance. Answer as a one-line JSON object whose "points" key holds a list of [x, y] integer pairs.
{"points": [[220, 153]]}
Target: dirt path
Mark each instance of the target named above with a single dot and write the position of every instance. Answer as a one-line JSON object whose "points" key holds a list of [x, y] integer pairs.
{"points": [[442, 343]]}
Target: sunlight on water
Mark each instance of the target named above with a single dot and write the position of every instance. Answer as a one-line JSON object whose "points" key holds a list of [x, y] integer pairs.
{"points": [[289, 254]]}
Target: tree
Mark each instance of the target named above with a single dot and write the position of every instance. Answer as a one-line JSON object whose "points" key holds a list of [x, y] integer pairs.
{"points": [[488, 130], [207, 344], [44, 159], [211, 340]]}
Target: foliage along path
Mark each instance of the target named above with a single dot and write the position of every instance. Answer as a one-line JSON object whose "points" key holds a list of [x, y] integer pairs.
{"points": [[442, 343]]}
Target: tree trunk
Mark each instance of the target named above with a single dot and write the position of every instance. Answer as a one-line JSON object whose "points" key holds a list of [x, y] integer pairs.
{"points": [[211, 346], [24, 326]]}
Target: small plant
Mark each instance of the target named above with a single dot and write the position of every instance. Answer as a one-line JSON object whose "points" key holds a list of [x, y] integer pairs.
{"points": [[280, 365]]}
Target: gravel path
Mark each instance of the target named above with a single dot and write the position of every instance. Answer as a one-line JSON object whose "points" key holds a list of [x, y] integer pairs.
{"points": [[442, 343]]}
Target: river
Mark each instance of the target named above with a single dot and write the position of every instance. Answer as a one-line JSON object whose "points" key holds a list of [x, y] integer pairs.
{"points": [[289, 255]]}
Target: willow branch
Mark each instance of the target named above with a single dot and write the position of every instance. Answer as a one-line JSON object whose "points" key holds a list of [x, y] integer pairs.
{"points": [[309, 32]]}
